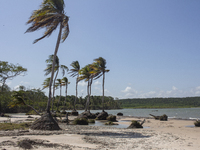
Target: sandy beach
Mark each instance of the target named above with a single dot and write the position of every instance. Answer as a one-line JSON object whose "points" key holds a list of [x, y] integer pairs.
{"points": [[156, 135]]}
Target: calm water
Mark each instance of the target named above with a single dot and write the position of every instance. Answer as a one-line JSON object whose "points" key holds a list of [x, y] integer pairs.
{"points": [[182, 113], [179, 113]]}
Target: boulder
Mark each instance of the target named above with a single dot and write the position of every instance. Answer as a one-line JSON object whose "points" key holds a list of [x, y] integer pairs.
{"points": [[74, 113], [111, 118], [119, 114], [102, 116], [163, 118], [87, 114]]}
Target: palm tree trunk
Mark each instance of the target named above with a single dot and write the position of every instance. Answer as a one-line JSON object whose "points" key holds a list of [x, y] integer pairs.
{"points": [[76, 93], [53, 67], [33, 109], [59, 97], [54, 83], [103, 92], [66, 94], [88, 98]]}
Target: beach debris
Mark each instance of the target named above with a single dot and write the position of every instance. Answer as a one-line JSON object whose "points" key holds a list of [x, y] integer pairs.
{"points": [[45, 122], [197, 123], [119, 114], [161, 118], [136, 124], [102, 116], [111, 118], [111, 123]]}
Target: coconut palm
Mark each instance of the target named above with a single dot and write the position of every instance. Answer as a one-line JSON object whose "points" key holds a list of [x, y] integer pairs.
{"points": [[100, 69], [87, 76], [65, 82], [75, 73], [19, 99], [46, 83], [50, 15], [57, 67], [59, 83]]}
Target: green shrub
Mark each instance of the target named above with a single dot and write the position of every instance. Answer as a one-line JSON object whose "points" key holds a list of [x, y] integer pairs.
{"points": [[110, 123], [31, 112], [163, 118], [80, 121]]}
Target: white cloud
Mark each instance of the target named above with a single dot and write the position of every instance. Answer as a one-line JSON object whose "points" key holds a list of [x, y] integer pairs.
{"points": [[128, 92], [97, 83], [82, 83]]}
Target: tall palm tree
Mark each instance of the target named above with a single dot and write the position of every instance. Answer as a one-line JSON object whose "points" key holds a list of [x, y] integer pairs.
{"points": [[65, 82], [60, 84], [57, 67], [100, 69], [75, 73], [87, 76], [50, 15]]}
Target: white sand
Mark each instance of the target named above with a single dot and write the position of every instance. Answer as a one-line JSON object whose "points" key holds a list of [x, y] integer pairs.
{"points": [[157, 135]]}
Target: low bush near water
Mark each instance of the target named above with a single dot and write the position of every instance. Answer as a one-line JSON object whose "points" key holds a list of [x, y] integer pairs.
{"points": [[197, 123], [80, 121]]}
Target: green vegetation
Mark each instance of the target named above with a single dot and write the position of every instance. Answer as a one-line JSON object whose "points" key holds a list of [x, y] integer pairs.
{"points": [[13, 126], [91, 120], [80, 121], [110, 123], [186, 102]]}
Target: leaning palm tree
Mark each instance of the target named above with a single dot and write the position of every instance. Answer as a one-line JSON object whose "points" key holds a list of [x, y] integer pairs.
{"points": [[87, 76], [57, 67], [100, 69], [19, 99], [50, 15], [75, 73], [65, 82]]}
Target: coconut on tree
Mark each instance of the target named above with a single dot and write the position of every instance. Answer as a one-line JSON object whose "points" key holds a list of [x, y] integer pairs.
{"points": [[50, 15], [75, 73]]}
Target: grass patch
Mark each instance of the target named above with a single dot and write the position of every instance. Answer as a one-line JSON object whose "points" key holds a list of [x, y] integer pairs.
{"points": [[13, 126]]}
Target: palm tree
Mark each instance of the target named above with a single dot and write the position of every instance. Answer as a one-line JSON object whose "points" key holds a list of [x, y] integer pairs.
{"points": [[60, 84], [87, 76], [100, 69], [75, 72], [46, 83], [65, 82], [57, 67], [50, 15], [19, 99]]}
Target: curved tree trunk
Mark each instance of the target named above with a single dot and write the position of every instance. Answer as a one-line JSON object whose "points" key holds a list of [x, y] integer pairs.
{"points": [[88, 99], [33, 109], [53, 67]]}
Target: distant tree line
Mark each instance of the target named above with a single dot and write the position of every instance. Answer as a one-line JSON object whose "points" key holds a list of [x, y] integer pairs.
{"points": [[37, 99], [185, 102]]}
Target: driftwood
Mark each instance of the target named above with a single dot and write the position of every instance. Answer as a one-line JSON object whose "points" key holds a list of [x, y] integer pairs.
{"points": [[155, 117], [161, 118]]}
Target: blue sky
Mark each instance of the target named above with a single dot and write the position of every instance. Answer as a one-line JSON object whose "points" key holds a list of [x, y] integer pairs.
{"points": [[151, 47]]}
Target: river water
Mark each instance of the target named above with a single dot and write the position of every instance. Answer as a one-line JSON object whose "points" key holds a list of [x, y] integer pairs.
{"points": [[178, 113]]}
